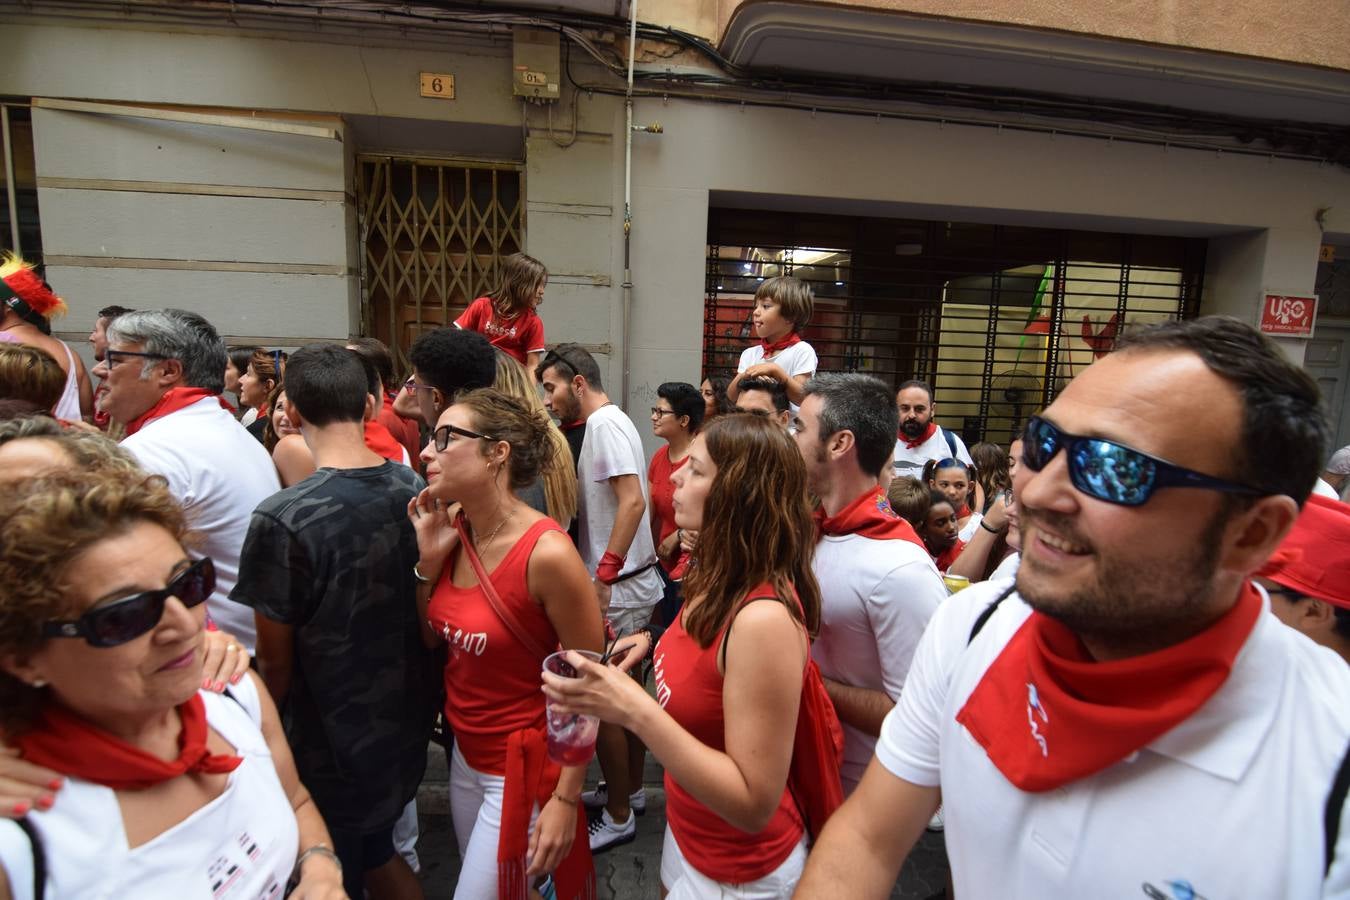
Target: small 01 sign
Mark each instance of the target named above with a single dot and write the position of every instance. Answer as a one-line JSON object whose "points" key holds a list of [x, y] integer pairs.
{"points": [[1288, 315], [437, 85]]}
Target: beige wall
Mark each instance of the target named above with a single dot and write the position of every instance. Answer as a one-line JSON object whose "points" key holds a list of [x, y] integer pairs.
{"points": [[1314, 32]]}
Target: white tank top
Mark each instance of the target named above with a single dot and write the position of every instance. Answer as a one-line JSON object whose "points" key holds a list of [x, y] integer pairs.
{"points": [[68, 407], [240, 846]]}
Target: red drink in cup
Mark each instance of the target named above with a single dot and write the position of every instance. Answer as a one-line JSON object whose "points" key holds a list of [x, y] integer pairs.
{"points": [[571, 736]]}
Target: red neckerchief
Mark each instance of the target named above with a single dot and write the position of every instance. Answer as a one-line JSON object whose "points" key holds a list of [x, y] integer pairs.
{"points": [[869, 515], [173, 400], [572, 425], [530, 780], [944, 560], [927, 433], [1047, 714], [963, 512], [772, 347], [382, 442], [67, 743]]}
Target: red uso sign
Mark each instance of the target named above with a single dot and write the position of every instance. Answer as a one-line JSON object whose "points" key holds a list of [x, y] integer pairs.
{"points": [[1288, 315]]}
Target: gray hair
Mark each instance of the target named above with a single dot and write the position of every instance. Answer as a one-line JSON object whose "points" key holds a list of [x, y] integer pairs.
{"points": [[175, 334], [863, 405]]}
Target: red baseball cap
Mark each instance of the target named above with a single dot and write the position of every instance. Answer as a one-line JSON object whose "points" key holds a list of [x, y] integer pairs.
{"points": [[1314, 558]]}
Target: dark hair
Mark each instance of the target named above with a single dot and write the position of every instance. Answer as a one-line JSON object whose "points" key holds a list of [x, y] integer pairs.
{"points": [[1283, 437], [504, 418], [935, 497], [571, 360], [771, 386], [685, 400], [112, 312], [520, 278], [239, 357], [757, 526], [721, 405], [991, 461], [916, 383], [931, 468], [267, 365], [910, 498], [327, 383], [270, 436], [862, 405], [14, 408], [374, 351], [453, 360]]}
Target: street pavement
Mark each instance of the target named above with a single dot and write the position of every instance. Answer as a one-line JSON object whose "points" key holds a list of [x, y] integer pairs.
{"points": [[630, 872]]}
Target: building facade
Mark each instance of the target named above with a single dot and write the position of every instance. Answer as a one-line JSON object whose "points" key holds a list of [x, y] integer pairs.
{"points": [[983, 203]]}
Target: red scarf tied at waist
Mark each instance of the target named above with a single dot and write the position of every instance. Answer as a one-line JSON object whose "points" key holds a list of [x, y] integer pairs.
{"points": [[869, 515], [531, 778], [927, 433], [1048, 715], [72, 746], [773, 347], [173, 400]]}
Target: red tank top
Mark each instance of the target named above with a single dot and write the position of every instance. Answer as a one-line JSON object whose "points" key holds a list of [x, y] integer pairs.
{"points": [[491, 680], [689, 688]]}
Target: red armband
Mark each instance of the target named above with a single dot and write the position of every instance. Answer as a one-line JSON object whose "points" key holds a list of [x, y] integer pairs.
{"points": [[610, 566]]}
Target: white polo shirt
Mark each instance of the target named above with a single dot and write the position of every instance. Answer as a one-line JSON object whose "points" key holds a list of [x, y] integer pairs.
{"points": [[219, 472], [876, 599], [910, 462], [1227, 804]]}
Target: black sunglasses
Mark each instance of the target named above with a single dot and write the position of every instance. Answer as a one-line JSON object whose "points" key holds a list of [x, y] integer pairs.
{"points": [[441, 436], [1113, 472], [129, 618]]}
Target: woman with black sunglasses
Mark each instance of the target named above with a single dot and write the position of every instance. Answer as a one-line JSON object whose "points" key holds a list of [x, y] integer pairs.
{"points": [[516, 816], [169, 791]]}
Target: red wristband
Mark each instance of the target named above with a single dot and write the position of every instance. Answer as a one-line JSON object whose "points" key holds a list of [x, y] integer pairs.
{"points": [[610, 566]]}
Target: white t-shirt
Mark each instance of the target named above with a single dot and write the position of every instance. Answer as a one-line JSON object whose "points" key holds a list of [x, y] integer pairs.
{"points": [[968, 530], [612, 447], [240, 846], [876, 599], [1230, 801], [799, 359], [1321, 488], [1006, 569], [219, 472], [911, 462]]}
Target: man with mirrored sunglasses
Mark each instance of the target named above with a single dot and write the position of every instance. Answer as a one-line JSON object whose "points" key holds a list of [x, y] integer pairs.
{"points": [[1128, 720]]}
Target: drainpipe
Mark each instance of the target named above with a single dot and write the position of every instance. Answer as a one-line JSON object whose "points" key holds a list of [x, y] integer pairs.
{"points": [[628, 196]]}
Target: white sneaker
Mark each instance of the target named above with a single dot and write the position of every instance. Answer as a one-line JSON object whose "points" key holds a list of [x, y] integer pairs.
{"points": [[637, 801], [936, 823], [605, 833]]}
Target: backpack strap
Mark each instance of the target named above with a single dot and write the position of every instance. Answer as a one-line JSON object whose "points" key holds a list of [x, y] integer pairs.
{"points": [[951, 441], [1336, 808], [39, 858], [987, 612]]}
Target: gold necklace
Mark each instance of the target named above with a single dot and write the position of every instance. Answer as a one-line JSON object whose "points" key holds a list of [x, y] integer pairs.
{"points": [[481, 544]]}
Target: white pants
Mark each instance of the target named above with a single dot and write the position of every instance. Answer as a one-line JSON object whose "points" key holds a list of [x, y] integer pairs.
{"points": [[683, 882], [476, 810], [405, 836]]}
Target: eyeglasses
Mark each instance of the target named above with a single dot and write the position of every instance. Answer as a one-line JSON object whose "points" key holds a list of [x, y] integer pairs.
{"points": [[441, 436], [129, 618], [110, 355], [659, 413], [1113, 472], [413, 387]]}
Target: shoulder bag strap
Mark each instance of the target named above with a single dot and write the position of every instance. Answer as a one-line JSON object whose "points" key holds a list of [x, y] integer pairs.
{"points": [[1335, 809], [494, 600], [988, 611], [951, 441], [39, 858]]}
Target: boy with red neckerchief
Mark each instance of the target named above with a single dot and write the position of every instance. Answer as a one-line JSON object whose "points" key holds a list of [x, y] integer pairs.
{"points": [[878, 587], [1127, 714], [782, 309]]}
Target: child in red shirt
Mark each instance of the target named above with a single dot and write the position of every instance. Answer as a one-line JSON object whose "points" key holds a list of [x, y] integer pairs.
{"points": [[506, 316]]}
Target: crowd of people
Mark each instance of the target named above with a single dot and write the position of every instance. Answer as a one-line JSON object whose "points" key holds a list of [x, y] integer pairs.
{"points": [[242, 589]]}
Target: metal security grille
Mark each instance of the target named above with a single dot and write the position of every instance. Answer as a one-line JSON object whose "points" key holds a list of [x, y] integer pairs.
{"points": [[433, 233], [996, 318]]}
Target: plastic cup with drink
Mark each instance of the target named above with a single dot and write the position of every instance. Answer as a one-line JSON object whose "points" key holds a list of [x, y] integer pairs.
{"points": [[570, 736]]}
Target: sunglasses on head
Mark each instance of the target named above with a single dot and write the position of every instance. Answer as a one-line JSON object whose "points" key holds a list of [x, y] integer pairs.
{"points": [[441, 436], [127, 619], [1113, 472]]}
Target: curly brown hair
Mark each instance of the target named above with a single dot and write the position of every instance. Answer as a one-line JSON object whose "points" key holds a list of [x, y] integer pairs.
{"points": [[505, 418], [44, 524], [757, 526], [520, 277], [89, 451]]}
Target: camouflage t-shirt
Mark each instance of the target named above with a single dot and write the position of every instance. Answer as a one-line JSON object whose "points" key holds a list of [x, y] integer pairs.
{"points": [[332, 556]]}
